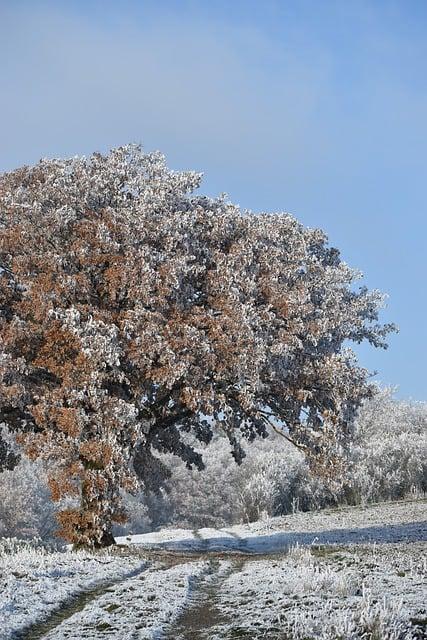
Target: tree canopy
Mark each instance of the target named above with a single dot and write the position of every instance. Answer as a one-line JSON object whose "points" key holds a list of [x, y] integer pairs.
{"points": [[135, 313]]}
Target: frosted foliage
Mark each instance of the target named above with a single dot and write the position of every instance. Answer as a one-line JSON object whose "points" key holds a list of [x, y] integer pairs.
{"points": [[25, 506], [133, 311], [389, 451], [387, 461]]}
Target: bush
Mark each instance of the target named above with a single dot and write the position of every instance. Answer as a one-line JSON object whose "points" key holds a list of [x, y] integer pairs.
{"points": [[26, 509], [389, 451]]}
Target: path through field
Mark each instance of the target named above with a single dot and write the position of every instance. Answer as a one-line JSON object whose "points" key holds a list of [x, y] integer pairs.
{"points": [[323, 575], [202, 613]]}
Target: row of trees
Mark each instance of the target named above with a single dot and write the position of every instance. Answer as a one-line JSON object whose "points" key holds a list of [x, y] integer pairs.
{"points": [[134, 313]]}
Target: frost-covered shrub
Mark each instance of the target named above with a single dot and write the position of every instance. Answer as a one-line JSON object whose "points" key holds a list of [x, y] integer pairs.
{"points": [[389, 451], [369, 620], [272, 480], [191, 499], [140, 517], [26, 510], [12, 546]]}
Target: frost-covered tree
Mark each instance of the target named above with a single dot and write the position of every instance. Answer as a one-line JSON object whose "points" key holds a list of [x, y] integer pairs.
{"points": [[26, 510], [388, 452], [134, 311]]}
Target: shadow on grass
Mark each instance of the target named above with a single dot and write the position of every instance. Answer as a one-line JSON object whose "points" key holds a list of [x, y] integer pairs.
{"points": [[280, 542]]}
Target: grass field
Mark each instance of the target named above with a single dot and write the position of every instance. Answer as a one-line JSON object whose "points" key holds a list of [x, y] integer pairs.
{"points": [[340, 574]]}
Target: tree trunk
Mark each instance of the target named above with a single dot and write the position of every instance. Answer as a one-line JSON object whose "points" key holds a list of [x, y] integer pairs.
{"points": [[107, 540], [96, 526]]}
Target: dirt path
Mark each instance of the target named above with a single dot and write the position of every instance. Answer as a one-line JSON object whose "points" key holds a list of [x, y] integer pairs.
{"points": [[40, 629], [202, 616], [228, 586], [234, 595]]}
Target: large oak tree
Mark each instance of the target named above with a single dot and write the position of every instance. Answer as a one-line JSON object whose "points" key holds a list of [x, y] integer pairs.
{"points": [[134, 312]]}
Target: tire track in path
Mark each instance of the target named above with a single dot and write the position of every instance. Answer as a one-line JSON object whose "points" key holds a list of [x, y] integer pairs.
{"points": [[202, 615], [76, 603]]}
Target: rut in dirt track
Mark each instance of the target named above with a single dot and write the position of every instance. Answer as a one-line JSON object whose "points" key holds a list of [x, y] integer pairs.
{"points": [[202, 615], [38, 630]]}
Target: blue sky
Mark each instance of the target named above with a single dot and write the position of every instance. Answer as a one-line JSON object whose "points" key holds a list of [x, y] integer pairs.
{"points": [[316, 108]]}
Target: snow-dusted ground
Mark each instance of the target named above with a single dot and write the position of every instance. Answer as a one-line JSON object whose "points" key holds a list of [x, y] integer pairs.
{"points": [[34, 582], [137, 608], [403, 521], [327, 575], [325, 594]]}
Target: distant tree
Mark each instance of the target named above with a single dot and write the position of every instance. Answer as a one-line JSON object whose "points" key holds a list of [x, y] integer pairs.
{"points": [[134, 312], [26, 510], [388, 454]]}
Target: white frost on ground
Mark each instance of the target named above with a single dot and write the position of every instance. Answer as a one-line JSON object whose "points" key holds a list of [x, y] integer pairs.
{"points": [[138, 608], [371, 578], [34, 582], [163, 536], [326, 593], [404, 521]]}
